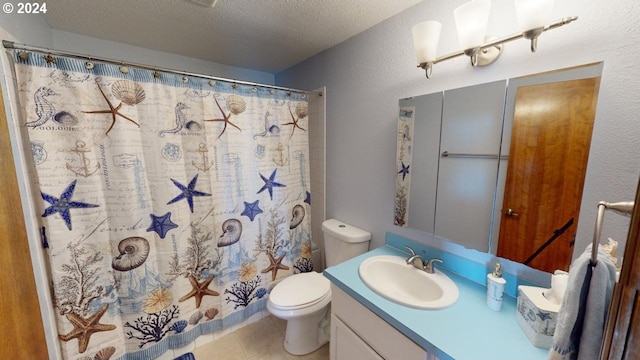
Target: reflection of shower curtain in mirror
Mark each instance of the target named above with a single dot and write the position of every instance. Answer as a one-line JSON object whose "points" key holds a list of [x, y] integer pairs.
{"points": [[167, 204]]}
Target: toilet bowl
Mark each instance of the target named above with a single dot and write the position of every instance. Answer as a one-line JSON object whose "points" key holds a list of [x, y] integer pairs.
{"points": [[304, 299]]}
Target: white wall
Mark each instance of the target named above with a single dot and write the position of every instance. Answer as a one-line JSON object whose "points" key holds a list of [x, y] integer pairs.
{"points": [[82, 44], [367, 74], [31, 29]]}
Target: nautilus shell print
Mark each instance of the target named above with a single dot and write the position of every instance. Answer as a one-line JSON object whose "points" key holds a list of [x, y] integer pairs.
{"points": [[297, 215], [236, 104], [302, 109], [133, 253], [231, 231], [128, 92]]}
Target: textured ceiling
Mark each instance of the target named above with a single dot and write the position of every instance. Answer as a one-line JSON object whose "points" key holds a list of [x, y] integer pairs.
{"points": [[264, 35]]}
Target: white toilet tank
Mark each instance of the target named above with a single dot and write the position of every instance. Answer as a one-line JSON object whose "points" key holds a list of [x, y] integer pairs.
{"points": [[343, 241]]}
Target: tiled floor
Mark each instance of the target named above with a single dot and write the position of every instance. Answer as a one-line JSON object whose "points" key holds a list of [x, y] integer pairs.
{"points": [[261, 340]]}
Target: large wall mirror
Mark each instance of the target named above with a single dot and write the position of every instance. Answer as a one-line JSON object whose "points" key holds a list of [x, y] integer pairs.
{"points": [[499, 167]]}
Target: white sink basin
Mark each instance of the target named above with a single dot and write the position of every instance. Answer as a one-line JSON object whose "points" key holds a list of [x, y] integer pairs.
{"points": [[392, 278]]}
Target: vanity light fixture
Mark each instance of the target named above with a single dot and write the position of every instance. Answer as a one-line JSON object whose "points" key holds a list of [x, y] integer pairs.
{"points": [[471, 20]]}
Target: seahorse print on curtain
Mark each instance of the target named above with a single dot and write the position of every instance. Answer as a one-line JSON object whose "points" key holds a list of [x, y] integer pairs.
{"points": [[167, 210]]}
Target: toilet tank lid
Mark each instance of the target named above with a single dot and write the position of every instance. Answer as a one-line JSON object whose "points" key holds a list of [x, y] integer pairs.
{"points": [[345, 232]]}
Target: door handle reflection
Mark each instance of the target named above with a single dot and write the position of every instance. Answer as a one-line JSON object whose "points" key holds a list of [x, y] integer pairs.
{"points": [[510, 212]]}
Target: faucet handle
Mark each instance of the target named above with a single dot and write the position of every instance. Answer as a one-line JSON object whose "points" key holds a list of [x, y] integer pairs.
{"points": [[413, 253], [429, 266]]}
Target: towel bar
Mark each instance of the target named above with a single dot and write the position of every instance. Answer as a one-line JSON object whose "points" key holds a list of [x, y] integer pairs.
{"points": [[481, 156], [623, 208]]}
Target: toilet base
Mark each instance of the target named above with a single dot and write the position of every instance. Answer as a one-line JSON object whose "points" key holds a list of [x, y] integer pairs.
{"points": [[307, 334]]}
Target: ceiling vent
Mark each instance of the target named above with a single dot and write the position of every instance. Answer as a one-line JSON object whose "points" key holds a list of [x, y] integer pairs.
{"points": [[205, 3]]}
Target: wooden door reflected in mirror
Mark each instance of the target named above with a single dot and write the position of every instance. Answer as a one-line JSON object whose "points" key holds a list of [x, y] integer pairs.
{"points": [[551, 135]]}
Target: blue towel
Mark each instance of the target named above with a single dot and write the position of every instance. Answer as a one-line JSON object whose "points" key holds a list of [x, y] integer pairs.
{"points": [[583, 311]]}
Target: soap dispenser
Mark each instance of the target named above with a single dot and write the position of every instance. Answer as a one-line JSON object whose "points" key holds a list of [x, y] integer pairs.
{"points": [[495, 288]]}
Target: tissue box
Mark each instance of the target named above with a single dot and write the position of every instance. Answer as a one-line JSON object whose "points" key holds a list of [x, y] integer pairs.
{"points": [[536, 315]]}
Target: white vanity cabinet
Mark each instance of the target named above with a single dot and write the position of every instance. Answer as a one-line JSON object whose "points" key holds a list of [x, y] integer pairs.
{"points": [[358, 333], [345, 344]]}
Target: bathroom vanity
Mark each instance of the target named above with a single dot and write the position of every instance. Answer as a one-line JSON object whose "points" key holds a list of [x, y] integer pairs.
{"points": [[358, 333], [364, 325]]}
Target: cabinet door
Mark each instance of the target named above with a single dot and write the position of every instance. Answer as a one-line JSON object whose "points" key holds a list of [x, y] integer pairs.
{"points": [[387, 341], [345, 344]]}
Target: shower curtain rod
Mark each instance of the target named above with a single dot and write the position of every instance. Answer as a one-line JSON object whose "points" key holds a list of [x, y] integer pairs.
{"points": [[12, 45]]}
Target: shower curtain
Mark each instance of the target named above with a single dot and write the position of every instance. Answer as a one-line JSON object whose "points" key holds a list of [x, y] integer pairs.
{"points": [[167, 204]]}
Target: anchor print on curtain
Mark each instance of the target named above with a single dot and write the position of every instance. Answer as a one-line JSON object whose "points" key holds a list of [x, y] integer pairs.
{"points": [[169, 204]]}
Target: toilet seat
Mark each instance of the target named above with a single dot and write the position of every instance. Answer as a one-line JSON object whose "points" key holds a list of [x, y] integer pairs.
{"points": [[300, 291]]}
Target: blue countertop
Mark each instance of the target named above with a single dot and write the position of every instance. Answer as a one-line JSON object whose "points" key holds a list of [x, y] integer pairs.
{"points": [[467, 330]]}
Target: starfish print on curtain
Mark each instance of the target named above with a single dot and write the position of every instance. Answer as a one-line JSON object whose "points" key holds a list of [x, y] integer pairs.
{"points": [[199, 290], [63, 204], [161, 224], [84, 328], [404, 171], [188, 192], [274, 266], [294, 124], [251, 210], [177, 214], [128, 93], [236, 106], [270, 183]]}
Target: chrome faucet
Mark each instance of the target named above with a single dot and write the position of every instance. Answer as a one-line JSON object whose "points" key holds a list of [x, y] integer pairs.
{"points": [[411, 260], [421, 264], [429, 267]]}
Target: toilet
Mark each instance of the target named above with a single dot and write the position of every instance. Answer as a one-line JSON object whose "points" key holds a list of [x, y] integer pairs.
{"points": [[304, 299]]}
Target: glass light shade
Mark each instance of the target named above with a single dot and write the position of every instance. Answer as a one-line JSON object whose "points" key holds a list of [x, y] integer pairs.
{"points": [[426, 36], [533, 14], [471, 21]]}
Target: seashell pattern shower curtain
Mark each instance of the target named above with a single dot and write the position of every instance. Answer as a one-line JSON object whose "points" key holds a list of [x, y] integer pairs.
{"points": [[167, 204]]}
